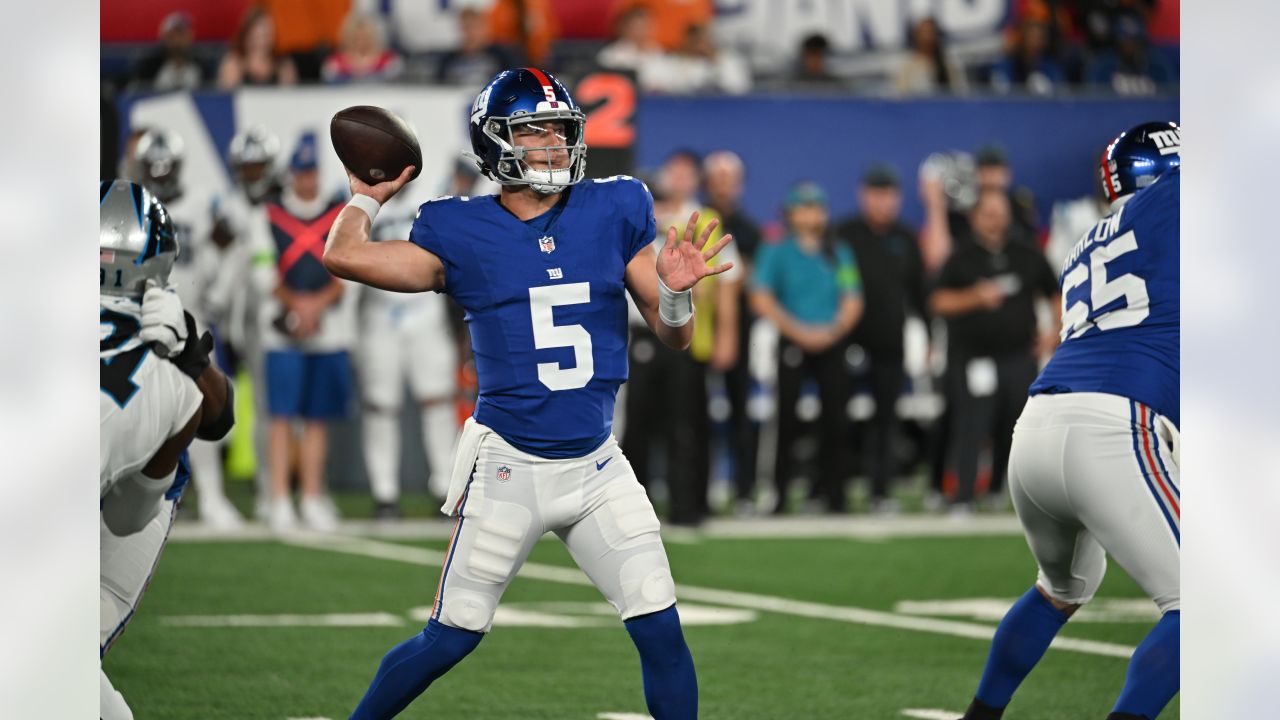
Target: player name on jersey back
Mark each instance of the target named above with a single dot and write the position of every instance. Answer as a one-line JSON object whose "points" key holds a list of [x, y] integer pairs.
{"points": [[545, 302], [1120, 296]]}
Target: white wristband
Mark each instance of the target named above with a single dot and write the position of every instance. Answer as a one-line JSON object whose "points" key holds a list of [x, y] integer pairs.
{"points": [[675, 308], [367, 204]]}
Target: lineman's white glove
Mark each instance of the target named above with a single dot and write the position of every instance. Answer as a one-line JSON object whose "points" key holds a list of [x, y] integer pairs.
{"points": [[162, 323]]}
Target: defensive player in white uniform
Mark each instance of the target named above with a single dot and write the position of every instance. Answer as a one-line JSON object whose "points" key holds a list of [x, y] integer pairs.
{"points": [[1094, 465], [201, 267], [150, 408], [405, 337], [542, 270]]}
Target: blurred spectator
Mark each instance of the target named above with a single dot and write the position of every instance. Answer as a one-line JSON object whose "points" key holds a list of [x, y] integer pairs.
{"points": [[928, 67], [987, 293], [172, 66], [811, 65], [307, 31], [529, 25], [1099, 18], [892, 285], [635, 43], [1130, 69], [307, 330], [1029, 65], [672, 18], [477, 59], [949, 186], [994, 173], [251, 59], [698, 66], [809, 287], [362, 52], [724, 177], [667, 388]]}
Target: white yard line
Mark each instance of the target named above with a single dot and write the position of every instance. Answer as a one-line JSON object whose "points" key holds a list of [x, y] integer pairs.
{"points": [[931, 714], [858, 527], [379, 619], [783, 606]]}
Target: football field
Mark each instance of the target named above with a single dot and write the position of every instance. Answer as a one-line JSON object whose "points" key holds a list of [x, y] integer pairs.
{"points": [[803, 618]]}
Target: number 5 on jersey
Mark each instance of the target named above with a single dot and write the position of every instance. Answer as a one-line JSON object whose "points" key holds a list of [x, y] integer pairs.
{"points": [[546, 334]]}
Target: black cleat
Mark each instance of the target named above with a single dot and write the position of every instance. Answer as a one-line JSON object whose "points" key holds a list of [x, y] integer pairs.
{"points": [[981, 711], [386, 512]]}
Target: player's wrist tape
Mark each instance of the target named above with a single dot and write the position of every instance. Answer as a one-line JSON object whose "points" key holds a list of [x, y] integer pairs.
{"points": [[367, 204], [675, 308]]}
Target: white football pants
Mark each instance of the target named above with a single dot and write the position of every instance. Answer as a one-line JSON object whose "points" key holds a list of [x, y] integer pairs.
{"points": [[1092, 474], [397, 344], [505, 500]]}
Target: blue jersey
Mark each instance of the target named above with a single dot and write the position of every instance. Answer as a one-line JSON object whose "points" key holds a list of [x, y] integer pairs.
{"points": [[1120, 319], [545, 303]]}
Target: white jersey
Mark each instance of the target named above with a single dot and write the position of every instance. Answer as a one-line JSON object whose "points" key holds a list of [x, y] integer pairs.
{"points": [[198, 258], [143, 399]]}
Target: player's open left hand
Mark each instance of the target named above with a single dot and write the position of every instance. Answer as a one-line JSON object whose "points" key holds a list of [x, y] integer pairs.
{"points": [[683, 262], [383, 191]]}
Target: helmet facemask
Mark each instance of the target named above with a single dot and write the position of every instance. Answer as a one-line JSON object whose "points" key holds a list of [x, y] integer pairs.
{"points": [[520, 165]]}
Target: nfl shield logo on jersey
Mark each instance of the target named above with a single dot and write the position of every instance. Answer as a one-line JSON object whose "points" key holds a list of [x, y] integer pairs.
{"points": [[504, 473], [546, 244]]}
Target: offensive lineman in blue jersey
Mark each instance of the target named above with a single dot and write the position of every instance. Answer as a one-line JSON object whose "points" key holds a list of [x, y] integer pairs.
{"points": [[540, 270], [1094, 465]]}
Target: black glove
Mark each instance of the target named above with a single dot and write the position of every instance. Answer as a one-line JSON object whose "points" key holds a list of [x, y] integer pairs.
{"points": [[194, 357]]}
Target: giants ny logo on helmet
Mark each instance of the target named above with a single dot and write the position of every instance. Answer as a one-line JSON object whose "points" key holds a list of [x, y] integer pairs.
{"points": [[1137, 157]]}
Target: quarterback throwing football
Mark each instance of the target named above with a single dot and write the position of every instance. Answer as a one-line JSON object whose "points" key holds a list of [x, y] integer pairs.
{"points": [[541, 270]]}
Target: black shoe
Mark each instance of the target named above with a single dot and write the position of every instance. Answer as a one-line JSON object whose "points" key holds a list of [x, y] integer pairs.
{"points": [[981, 711], [387, 511]]}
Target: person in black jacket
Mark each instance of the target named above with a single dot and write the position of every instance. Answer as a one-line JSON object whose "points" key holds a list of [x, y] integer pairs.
{"points": [[987, 292], [893, 284]]}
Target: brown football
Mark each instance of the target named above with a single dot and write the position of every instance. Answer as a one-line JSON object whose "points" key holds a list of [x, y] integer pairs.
{"points": [[374, 144]]}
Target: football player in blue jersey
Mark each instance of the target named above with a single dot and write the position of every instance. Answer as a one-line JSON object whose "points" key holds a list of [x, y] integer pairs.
{"points": [[1094, 465], [541, 270]]}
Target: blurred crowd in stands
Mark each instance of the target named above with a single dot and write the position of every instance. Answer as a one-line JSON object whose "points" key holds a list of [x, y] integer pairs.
{"points": [[1037, 47]]}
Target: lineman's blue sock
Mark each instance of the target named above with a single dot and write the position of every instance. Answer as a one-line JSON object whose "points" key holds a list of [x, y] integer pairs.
{"points": [[1153, 677], [1020, 641], [670, 684], [408, 668]]}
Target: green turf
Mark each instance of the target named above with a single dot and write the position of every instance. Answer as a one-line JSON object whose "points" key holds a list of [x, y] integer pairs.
{"points": [[775, 667]]}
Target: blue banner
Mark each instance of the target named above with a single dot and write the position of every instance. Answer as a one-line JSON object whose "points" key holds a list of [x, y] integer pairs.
{"points": [[1053, 145]]}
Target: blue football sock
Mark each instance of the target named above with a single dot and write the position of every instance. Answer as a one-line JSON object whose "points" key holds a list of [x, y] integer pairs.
{"points": [[408, 668], [1020, 641], [1153, 677], [670, 684]]}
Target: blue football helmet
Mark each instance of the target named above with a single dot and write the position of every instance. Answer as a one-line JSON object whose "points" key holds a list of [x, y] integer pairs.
{"points": [[136, 239], [1137, 157], [519, 97]]}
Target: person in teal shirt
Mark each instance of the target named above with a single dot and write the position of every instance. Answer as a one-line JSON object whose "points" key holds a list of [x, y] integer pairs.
{"points": [[809, 287]]}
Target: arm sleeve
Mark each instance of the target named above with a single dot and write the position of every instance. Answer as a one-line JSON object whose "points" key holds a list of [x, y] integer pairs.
{"points": [[424, 235], [848, 275], [642, 225]]}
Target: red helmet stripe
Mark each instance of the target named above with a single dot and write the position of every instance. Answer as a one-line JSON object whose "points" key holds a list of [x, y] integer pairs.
{"points": [[545, 82], [1106, 174]]}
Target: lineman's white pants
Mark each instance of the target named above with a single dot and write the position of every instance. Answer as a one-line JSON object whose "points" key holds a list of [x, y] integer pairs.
{"points": [[1092, 474]]}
